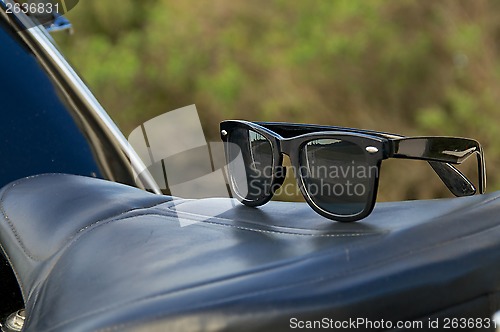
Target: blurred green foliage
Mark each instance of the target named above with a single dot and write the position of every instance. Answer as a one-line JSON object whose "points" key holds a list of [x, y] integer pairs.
{"points": [[405, 66]]}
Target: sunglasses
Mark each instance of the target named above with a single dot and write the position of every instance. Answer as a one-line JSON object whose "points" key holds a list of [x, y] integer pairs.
{"points": [[337, 169]]}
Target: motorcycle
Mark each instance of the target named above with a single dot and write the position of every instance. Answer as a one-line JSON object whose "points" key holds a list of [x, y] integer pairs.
{"points": [[89, 243]]}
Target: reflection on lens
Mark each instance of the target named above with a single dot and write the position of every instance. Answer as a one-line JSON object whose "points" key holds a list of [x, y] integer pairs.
{"points": [[337, 175], [252, 180]]}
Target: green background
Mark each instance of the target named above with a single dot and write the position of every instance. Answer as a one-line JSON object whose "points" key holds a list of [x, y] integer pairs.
{"points": [[403, 66]]}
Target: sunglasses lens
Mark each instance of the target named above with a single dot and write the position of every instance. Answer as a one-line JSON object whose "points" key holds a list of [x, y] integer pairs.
{"points": [[337, 176], [251, 178]]}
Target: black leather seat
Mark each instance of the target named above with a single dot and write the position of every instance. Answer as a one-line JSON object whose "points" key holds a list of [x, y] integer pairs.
{"points": [[92, 255]]}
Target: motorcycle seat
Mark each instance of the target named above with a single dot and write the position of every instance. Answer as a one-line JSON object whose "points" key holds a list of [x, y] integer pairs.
{"points": [[93, 255]]}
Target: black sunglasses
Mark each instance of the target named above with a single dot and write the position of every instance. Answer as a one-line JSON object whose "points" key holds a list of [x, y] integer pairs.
{"points": [[337, 169]]}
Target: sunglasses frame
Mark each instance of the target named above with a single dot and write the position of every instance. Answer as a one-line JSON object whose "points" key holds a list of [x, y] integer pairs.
{"points": [[290, 139]]}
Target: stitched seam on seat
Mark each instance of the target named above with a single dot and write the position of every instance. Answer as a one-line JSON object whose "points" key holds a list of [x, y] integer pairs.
{"points": [[108, 219], [286, 233], [184, 201], [75, 234], [267, 291], [14, 230], [346, 234], [93, 227], [103, 222], [7, 218]]}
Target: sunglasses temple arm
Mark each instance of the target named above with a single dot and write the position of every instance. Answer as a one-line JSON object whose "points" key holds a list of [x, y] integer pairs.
{"points": [[481, 170], [454, 180], [440, 152]]}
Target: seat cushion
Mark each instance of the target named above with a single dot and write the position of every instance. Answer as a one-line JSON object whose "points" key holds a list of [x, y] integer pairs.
{"points": [[92, 255]]}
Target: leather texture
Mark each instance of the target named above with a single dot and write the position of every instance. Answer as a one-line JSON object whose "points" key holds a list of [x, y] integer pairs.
{"points": [[92, 255]]}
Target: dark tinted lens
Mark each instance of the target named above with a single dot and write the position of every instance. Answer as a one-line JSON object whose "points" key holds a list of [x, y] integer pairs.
{"points": [[252, 178], [337, 176]]}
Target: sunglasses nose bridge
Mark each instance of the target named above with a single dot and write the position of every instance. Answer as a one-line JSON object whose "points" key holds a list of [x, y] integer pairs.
{"points": [[285, 146]]}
